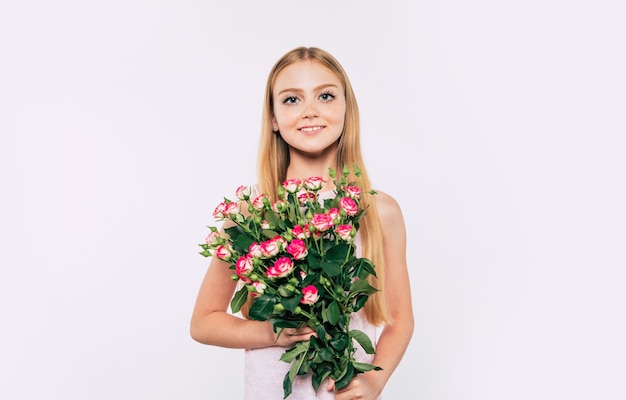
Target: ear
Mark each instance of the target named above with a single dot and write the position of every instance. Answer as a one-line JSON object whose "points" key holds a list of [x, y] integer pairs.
{"points": [[274, 124]]}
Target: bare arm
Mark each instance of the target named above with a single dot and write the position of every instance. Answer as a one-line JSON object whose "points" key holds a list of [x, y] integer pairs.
{"points": [[395, 337]]}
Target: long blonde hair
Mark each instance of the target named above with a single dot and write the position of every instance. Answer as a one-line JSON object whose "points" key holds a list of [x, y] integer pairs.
{"points": [[273, 160]]}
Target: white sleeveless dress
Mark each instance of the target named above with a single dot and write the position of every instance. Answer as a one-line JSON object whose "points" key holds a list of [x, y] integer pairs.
{"points": [[264, 371]]}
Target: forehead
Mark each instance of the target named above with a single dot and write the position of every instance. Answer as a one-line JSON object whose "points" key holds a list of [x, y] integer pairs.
{"points": [[305, 74]]}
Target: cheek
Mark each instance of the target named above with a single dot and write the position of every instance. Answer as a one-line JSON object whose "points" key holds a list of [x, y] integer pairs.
{"points": [[339, 117], [283, 117], [338, 113]]}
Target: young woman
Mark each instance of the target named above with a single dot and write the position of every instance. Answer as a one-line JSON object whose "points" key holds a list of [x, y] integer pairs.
{"points": [[310, 124]]}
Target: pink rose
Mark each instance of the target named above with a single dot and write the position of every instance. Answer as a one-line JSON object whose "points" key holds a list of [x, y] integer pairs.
{"points": [[280, 241], [269, 248], [292, 185], [224, 252], [334, 214], [309, 295], [279, 206], [259, 202], [255, 250], [243, 192], [273, 246], [349, 206], [297, 249], [353, 192], [301, 232], [345, 232], [281, 268], [306, 197], [218, 213], [322, 222], [243, 266], [213, 239], [314, 183], [259, 288], [231, 208]]}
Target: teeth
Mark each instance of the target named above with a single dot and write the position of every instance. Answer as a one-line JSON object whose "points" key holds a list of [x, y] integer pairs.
{"points": [[311, 128]]}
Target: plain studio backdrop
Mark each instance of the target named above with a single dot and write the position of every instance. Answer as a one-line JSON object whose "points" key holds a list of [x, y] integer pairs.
{"points": [[498, 126]]}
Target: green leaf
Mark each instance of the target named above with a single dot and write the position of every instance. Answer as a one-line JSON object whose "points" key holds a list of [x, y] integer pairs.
{"points": [[291, 303], [318, 378], [363, 340], [287, 386], [363, 268], [328, 204], [333, 312], [316, 357], [359, 302], [325, 354], [234, 232], [362, 286], [295, 367], [243, 242], [239, 238], [284, 323], [268, 233], [338, 254], [262, 308], [294, 204], [313, 259], [239, 299], [340, 342], [346, 377], [364, 367], [321, 333], [358, 216], [291, 354], [274, 219], [367, 266], [331, 269]]}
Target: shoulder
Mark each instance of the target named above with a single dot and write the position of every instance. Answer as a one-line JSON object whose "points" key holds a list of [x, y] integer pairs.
{"points": [[389, 209], [393, 229]]}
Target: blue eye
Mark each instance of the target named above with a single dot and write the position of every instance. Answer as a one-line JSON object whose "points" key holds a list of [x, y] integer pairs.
{"points": [[327, 96], [290, 100]]}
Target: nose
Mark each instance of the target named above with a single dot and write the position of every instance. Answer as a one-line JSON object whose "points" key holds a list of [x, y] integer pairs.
{"points": [[309, 110]]}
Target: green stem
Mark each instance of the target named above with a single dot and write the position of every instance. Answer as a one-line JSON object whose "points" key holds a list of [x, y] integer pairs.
{"points": [[309, 316]]}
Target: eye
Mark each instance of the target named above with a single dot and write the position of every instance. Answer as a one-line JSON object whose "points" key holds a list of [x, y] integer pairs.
{"points": [[327, 96], [290, 100]]}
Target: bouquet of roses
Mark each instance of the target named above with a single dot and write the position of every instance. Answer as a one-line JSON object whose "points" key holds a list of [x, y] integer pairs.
{"points": [[296, 257]]}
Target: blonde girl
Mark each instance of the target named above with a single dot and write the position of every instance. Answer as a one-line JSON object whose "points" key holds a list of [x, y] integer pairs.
{"points": [[310, 123]]}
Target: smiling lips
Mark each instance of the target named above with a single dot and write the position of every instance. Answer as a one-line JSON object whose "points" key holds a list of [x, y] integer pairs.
{"points": [[310, 129]]}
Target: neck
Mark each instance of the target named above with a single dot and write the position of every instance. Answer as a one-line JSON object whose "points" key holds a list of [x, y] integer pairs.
{"points": [[303, 167]]}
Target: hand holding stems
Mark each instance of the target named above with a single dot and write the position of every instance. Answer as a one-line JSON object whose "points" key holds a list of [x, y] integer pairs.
{"points": [[364, 386], [287, 337]]}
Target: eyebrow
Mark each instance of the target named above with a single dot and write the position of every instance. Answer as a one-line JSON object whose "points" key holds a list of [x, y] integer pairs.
{"points": [[315, 89]]}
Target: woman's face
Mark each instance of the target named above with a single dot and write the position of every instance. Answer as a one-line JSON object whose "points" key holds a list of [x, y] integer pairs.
{"points": [[309, 107]]}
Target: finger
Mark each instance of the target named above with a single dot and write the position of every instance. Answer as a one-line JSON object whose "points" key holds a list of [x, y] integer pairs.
{"points": [[302, 338]]}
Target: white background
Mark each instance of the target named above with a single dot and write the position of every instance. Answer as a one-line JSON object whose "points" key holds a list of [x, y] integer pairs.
{"points": [[498, 125]]}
